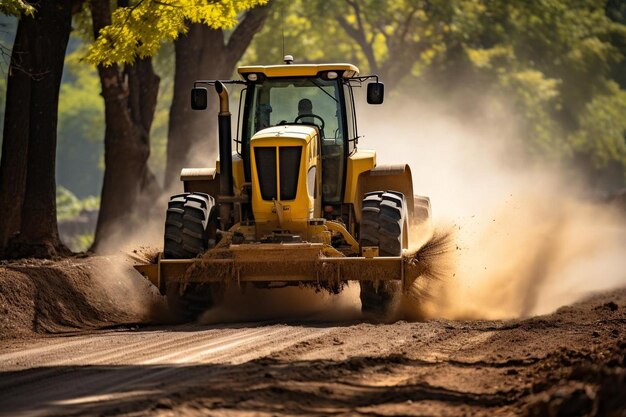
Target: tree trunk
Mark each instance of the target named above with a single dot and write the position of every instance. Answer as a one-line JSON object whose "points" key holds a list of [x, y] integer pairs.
{"points": [[202, 54], [130, 100], [15, 143], [31, 133]]}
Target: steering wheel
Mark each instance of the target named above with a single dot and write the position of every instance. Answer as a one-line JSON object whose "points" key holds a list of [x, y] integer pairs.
{"points": [[315, 116]]}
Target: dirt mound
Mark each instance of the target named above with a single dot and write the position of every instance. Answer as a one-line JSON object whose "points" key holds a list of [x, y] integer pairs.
{"points": [[587, 382], [41, 296]]}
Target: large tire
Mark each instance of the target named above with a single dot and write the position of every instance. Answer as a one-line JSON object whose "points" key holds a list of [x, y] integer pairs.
{"points": [[383, 224], [189, 231], [173, 240], [187, 225], [198, 209]]}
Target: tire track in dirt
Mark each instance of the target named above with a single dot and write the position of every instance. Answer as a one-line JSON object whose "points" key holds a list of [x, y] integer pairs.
{"points": [[91, 345], [69, 372], [128, 354]]}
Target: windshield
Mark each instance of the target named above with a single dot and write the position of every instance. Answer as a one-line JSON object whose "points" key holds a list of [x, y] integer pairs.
{"points": [[284, 100], [308, 101]]}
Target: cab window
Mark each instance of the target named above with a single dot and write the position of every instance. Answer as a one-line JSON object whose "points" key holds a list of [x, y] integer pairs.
{"points": [[311, 101]]}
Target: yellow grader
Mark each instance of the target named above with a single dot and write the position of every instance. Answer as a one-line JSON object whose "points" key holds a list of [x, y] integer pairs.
{"points": [[296, 203]]}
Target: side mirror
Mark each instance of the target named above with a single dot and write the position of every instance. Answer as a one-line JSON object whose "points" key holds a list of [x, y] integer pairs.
{"points": [[199, 98], [375, 93]]}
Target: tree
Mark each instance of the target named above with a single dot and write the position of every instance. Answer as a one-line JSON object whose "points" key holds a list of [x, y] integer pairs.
{"points": [[203, 53], [138, 30], [556, 61], [28, 225], [394, 37], [295, 28], [125, 40], [129, 94]]}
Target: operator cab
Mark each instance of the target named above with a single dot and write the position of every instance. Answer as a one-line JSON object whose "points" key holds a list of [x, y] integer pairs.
{"points": [[273, 98]]}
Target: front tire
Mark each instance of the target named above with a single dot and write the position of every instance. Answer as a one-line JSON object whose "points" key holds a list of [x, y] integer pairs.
{"points": [[384, 225], [189, 232], [188, 224]]}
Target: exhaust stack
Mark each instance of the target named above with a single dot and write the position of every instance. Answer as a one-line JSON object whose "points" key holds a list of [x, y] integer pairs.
{"points": [[226, 150]]}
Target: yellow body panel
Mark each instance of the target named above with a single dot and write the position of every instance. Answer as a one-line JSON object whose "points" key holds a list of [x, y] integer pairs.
{"points": [[293, 214], [360, 161], [296, 70]]}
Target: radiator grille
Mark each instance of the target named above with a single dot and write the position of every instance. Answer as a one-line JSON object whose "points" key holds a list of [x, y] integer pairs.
{"points": [[289, 171], [265, 158], [289, 160]]}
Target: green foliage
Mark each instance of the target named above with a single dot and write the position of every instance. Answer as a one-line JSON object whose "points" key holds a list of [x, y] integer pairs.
{"points": [[391, 38], [16, 8], [306, 37], [139, 30], [81, 243], [163, 65], [70, 206], [398, 38], [536, 97], [80, 93], [602, 131], [81, 126], [555, 60]]}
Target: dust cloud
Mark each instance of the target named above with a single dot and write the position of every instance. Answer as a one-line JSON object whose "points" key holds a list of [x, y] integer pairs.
{"points": [[140, 235], [528, 238], [302, 304], [128, 290], [138, 240]]}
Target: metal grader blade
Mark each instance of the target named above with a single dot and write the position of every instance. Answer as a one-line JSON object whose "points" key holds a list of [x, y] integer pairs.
{"points": [[284, 262]]}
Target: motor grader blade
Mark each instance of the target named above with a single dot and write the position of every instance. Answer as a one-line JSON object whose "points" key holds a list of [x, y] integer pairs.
{"points": [[285, 262]]}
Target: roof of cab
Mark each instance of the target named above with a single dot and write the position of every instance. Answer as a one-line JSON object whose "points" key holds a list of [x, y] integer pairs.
{"points": [[297, 70]]}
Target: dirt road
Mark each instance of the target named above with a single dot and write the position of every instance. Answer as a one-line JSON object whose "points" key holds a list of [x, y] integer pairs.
{"points": [[567, 363], [97, 371]]}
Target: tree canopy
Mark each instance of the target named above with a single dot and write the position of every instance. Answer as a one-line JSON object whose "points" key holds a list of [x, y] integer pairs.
{"points": [[16, 8], [140, 29], [556, 60]]}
